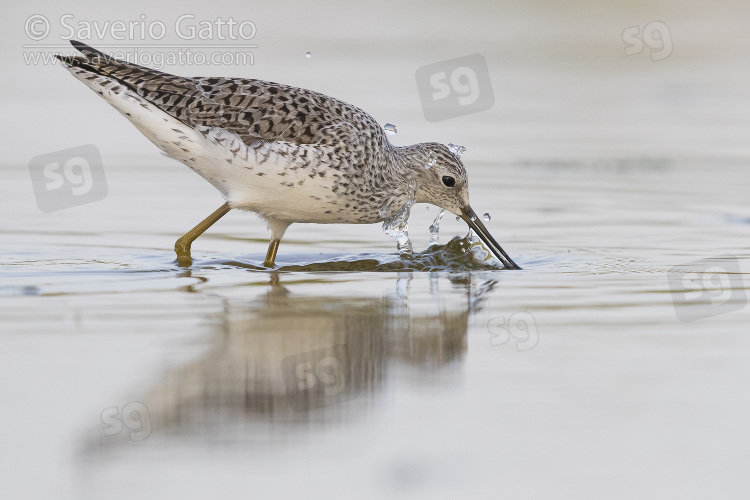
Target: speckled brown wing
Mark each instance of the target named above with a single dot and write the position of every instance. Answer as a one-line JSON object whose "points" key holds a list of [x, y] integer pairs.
{"points": [[255, 110], [258, 109]]}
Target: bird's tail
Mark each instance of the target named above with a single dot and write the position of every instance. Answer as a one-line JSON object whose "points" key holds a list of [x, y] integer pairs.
{"points": [[137, 78]]}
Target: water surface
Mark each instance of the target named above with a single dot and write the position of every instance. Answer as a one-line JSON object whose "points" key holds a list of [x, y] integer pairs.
{"points": [[449, 382]]}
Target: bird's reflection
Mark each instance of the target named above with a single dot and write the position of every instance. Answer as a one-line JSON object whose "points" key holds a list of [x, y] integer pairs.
{"points": [[291, 357]]}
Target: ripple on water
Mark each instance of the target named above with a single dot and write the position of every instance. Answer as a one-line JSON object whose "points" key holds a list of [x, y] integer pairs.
{"points": [[454, 256]]}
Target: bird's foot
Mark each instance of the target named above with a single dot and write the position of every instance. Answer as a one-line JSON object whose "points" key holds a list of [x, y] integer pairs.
{"points": [[182, 249]]}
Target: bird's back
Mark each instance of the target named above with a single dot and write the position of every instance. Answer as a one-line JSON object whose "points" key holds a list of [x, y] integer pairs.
{"points": [[252, 109]]}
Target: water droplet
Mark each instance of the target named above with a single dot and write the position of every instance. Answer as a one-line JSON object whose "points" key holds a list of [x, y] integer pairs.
{"points": [[412, 190], [431, 160], [308, 55], [390, 129], [487, 217], [435, 229], [458, 219], [427, 207], [473, 218], [456, 149]]}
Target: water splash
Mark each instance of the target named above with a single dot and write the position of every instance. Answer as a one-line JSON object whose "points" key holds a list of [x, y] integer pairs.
{"points": [[487, 217], [431, 160], [480, 252], [412, 191], [396, 225], [456, 149], [435, 229], [397, 228], [390, 129]]}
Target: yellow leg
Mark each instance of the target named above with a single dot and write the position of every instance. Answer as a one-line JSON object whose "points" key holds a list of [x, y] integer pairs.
{"points": [[271, 254], [182, 246]]}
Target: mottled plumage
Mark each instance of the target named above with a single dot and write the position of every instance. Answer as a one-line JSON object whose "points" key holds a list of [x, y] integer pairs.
{"points": [[285, 153]]}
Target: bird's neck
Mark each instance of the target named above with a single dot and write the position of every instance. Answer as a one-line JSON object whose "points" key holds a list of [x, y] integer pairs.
{"points": [[408, 159], [408, 165]]}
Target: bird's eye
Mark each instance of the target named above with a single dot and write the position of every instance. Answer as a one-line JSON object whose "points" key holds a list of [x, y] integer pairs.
{"points": [[449, 181]]}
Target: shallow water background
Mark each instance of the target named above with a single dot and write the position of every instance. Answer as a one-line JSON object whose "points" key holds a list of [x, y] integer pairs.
{"points": [[582, 376]]}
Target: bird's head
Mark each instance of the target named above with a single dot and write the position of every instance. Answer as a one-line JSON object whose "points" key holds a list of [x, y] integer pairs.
{"points": [[442, 181]]}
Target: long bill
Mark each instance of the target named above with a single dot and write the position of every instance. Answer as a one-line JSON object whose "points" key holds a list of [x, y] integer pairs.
{"points": [[468, 215]]}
